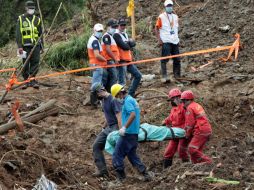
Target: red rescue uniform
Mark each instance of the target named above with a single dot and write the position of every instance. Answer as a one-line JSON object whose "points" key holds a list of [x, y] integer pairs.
{"points": [[176, 118], [198, 131]]}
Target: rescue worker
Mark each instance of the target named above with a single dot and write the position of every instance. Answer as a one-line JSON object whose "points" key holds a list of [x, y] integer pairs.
{"points": [[167, 34], [111, 53], [28, 32], [175, 119], [197, 126], [127, 144], [125, 45], [96, 58], [112, 111]]}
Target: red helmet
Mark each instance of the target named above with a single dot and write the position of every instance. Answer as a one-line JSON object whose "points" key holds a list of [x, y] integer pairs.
{"points": [[187, 95], [174, 92]]}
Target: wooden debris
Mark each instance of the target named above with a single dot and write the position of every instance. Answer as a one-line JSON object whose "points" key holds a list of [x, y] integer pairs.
{"points": [[45, 110], [197, 173], [32, 119], [192, 80], [43, 107]]}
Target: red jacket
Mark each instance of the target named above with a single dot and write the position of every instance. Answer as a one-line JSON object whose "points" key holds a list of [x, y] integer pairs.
{"points": [[176, 117], [196, 121]]}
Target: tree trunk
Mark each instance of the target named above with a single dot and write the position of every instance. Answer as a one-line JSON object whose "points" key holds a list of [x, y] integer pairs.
{"points": [[32, 119]]}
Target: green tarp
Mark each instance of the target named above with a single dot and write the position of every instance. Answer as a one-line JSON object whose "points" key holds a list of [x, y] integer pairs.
{"points": [[147, 132]]}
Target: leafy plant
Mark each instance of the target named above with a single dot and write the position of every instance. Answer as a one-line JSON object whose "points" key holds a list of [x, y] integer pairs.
{"points": [[73, 53]]}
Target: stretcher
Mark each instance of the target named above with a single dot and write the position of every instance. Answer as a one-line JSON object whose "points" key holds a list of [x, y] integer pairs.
{"points": [[147, 133]]}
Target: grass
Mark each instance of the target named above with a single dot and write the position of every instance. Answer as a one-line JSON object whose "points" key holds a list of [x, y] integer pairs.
{"points": [[144, 27], [71, 54], [10, 59]]}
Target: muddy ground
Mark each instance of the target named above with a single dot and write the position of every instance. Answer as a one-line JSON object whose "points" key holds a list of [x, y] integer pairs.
{"points": [[60, 146]]}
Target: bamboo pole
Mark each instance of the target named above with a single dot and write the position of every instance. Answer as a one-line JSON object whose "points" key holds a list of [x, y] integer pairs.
{"points": [[133, 25], [42, 23], [54, 19]]}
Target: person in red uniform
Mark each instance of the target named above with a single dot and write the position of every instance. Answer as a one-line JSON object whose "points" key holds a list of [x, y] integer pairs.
{"points": [[176, 118], [197, 126]]}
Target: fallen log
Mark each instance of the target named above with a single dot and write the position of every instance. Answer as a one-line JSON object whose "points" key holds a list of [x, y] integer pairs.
{"points": [[43, 107], [31, 119]]}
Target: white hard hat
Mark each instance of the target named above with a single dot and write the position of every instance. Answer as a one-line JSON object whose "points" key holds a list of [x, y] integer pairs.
{"points": [[98, 27], [167, 2]]}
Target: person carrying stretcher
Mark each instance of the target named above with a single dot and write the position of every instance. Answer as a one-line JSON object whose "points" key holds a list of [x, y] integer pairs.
{"points": [[176, 118]]}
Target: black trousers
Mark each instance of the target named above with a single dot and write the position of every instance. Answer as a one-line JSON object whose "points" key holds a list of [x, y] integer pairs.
{"points": [[167, 50], [32, 66]]}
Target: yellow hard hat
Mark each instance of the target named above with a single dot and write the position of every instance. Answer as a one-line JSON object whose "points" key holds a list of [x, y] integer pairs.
{"points": [[115, 89]]}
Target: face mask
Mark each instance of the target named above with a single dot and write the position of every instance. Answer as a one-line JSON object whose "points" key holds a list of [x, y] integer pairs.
{"points": [[30, 11], [169, 10], [98, 34], [173, 104], [112, 30]]}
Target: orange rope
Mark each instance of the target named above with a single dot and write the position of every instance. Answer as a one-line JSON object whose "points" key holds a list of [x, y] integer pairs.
{"points": [[7, 70], [233, 48]]}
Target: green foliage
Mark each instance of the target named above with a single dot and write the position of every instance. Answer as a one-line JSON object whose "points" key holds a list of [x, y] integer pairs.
{"points": [[70, 7], [144, 27], [70, 54], [73, 53], [11, 9]]}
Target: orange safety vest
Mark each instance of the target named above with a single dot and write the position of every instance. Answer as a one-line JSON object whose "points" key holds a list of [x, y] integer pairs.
{"points": [[113, 48], [125, 55], [91, 56]]}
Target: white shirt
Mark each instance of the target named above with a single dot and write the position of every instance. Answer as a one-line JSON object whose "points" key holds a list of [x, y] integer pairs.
{"points": [[169, 28]]}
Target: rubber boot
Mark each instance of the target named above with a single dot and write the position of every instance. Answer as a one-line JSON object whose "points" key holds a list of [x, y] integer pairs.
{"points": [[120, 175], [167, 163], [147, 177], [93, 99], [177, 70], [100, 174], [185, 160], [34, 84]]}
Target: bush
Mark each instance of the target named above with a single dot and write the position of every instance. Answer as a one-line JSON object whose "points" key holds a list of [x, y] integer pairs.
{"points": [[70, 54], [73, 53]]}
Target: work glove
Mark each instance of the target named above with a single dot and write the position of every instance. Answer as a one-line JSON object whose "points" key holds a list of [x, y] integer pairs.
{"points": [[122, 131]]}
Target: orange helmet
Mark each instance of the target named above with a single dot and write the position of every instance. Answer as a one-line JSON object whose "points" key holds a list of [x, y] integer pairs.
{"points": [[174, 92], [187, 95]]}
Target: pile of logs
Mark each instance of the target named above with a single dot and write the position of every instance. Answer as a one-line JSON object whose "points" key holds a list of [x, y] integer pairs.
{"points": [[43, 111]]}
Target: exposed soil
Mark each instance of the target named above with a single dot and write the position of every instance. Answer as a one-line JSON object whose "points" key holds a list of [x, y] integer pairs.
{"points": [[61, 146]]}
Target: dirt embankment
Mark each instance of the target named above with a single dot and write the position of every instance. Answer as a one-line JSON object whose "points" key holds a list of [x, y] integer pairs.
{"points": [[61, 146]]}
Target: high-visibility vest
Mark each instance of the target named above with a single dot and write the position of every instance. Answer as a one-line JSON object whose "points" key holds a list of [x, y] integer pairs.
{"points": [[169, 28], [113, 48], [91, 56], [29, 30], [125, 55]]}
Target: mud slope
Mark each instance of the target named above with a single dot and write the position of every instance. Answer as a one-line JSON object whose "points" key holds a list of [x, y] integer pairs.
{"points": [[61, 147]]}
